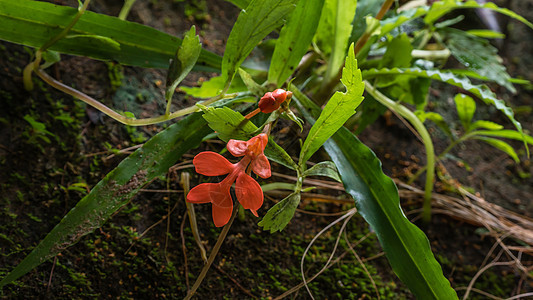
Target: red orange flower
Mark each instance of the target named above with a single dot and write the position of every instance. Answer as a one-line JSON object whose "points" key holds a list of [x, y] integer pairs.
{"points": [[247, 190]]}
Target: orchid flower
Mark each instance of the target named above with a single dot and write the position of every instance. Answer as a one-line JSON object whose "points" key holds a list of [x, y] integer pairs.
{"points": [[247, 190]]}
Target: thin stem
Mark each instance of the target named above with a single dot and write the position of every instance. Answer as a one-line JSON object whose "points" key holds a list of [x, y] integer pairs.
{"points": [[185, 183], [115, 115], [426, 139], [34, 65], [123, 14], [214, 253], [441, 155], [63, 33]]}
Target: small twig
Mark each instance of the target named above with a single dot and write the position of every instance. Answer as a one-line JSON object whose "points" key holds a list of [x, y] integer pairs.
{"points": [[51, 273], [347, 216], [214, 253], [493, 264], [362, 264], [480, 292], [184, 249]]}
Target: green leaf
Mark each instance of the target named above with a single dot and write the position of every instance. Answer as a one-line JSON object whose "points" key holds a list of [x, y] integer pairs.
{"points": [[324, 168], [339, 108], [371, 110], [364, 8], [251, 85], [486, 33], [230, 124], [280, 214], [440, 8], [96, 40], [486, 125], [343, 14], [398, 55], [214, 87], [33, 23], [390, 24], [50, 58], [480, 91], [508, 134], [501, 145], [475, 75], [435, 118], [294, 40], [478, 55], [466, 107], [376, 198], [150, 161], [252, 25], [184, 60]]}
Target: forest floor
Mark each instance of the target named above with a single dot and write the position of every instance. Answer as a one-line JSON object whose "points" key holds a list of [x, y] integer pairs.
{"points": [[146, 250]]}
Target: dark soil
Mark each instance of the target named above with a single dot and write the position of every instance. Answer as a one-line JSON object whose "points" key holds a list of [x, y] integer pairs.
{"points": [[144, 252]]}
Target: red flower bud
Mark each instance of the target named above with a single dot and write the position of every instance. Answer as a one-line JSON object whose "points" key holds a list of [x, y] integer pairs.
{"points": [[272, 100], [267, 103]]}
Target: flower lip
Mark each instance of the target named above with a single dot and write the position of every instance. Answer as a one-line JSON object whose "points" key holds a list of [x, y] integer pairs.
{"points": [[256, 145]]}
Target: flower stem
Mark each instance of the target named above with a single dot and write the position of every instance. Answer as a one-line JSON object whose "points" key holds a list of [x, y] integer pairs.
{"points": [[426, 139], [213, 254]]}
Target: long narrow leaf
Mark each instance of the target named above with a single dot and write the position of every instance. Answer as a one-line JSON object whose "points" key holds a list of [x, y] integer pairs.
{"points": [[342, 15], [252, 25], [376, 198], [33, 23], [294, 40], [440, 8], [116, 189], [407, 248]]}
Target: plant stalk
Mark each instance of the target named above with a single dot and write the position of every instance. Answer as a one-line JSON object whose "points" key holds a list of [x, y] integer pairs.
{"points": [[426, 139], [214, 253]]}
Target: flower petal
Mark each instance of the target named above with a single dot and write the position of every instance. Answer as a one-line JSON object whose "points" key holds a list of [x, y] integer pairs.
{"points": [[261, 166], [222, 209], [219, 195], [211, 164], [237, 148], [202, 193], [248, 192]]}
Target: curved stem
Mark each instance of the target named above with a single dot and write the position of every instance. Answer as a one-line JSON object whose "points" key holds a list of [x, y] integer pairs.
{"points": [[123, 14], [213, 254], [115, 115], [441, 155], [63, 33], [34, 65], [426, 139]]}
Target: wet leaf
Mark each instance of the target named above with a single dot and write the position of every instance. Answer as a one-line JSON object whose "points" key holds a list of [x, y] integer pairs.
{"points": [[280, 214], [324, 168], [477, 55], [466, 107]]}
